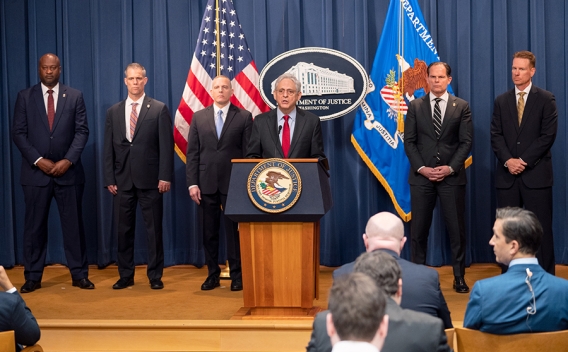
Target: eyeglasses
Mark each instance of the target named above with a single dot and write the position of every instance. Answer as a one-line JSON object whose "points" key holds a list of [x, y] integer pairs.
{"points": [[287, 91]]}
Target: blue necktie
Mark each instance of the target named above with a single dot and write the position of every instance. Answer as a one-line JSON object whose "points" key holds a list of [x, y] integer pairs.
{"points": [[219, 123]]}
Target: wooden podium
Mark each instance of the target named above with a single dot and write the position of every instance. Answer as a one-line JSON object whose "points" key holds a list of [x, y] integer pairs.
{"points": [[279, 251]]}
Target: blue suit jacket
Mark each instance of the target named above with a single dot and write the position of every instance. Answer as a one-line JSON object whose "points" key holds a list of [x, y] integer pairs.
{"points": [[498, 305], [420, 288], [66, 140], [15, 315]]}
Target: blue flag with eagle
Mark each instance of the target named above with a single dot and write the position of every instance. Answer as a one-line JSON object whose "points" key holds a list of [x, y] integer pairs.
{"points": [[399, 75]]}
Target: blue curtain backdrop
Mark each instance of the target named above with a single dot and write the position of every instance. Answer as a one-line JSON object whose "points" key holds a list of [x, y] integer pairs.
{"points": [[96, 39]]}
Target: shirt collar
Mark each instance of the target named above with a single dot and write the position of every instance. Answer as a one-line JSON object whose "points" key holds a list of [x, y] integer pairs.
{"points": [[225, 109], [129, 100], [444, 96], [523, 261], [526, 90], [292, 114], [55, 89]]}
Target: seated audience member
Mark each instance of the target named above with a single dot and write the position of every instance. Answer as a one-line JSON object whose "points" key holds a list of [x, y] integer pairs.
{"points": [[356, 319], [526, 298], [408, 331], [15, 315], [385, 232]]}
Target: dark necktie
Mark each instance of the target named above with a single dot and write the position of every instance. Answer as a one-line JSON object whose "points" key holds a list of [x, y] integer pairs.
{"points": [[133, 120], [50, 109], [437, 119], [286, 137]]}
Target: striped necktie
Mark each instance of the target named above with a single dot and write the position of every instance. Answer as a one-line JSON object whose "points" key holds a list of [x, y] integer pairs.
{"points": [[437, 119], [133, 120], [521, 106]]}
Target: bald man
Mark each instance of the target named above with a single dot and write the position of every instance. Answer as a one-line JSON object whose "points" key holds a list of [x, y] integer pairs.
{"points": [[422, 293]]}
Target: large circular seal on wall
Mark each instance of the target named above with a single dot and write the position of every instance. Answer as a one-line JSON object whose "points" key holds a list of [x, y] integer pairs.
{"points": [[274, 185]]}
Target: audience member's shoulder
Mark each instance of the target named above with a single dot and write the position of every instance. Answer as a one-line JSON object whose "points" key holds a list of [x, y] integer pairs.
{"points": [[343, 270], [423, 270]]}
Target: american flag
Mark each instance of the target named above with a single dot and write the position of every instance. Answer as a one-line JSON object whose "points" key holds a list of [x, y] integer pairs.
{"points": [[221, 49]]}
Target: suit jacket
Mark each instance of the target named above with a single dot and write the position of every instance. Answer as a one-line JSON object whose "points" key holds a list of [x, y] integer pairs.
{"points": [[408, 331], [146, 160], [66, 140], [498, 305], [306, 141], [531, 141], [421, 144], [421, 288], [15, 315], [208, 158]]}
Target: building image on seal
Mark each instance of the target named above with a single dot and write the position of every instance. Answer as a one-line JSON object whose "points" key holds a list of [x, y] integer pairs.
{"points": [[319, 81]]}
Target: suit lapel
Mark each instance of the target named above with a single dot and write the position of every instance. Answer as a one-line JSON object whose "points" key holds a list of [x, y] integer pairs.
{"points": [[228, 119], [210, 120], [513, 116], [449, 114], [40, 104], [531, 103], [146, 104], [272, 129], [427, 113], [61, 100], [298, 127]]}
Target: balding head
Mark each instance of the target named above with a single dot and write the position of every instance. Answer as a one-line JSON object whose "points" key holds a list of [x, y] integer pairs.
{"points": [[384, 231]]}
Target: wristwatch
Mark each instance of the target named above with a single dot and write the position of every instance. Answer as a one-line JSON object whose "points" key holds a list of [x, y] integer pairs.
{"points": [[451, 170]]}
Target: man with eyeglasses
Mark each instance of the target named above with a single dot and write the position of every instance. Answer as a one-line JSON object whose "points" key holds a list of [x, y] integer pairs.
{"points": [[287, 131]]}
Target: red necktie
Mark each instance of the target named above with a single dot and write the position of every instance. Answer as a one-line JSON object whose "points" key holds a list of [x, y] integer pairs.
{"points": [[286, 137], [50, 109], [133, 120]]}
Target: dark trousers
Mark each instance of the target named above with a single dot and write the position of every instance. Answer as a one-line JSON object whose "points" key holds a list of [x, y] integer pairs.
{"points": [[152, 206], [210, 213], [452, 200], [539, 201], [69, 203]]}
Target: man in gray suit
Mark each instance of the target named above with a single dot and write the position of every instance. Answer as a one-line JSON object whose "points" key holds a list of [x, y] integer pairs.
{"points": [[437, 140], [408, 330]]}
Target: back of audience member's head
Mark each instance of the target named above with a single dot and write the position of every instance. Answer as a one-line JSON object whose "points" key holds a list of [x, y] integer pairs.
{"points": [[521, 225], [384, 230], [382, 268], [357, 310]]}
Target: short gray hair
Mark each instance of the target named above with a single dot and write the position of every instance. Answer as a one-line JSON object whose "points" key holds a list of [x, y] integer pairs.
{"points": [[290, 76], [135, 65]]}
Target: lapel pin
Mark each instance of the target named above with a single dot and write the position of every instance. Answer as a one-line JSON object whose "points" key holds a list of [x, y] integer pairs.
{"points": [[148, 106], [454, 104], [63, 95]]}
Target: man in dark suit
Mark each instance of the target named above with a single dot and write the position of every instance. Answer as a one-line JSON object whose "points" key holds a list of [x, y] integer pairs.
{"points": [[138, 167], [437, 140], [356, 319], [523, 130], [525, 298], [408, 330], [50, 130], [287, 131], [218, 133], [385, 232], [15, 315]]}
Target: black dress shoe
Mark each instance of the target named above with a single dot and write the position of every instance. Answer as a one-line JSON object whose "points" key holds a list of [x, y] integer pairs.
{"points": [[123, 282], [84, 283], [210, 283], [460, 286], [156, 284], [237, 285], [30, 286]]}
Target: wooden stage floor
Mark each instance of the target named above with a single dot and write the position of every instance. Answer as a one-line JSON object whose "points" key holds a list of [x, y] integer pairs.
{"points": [[199, 319]]}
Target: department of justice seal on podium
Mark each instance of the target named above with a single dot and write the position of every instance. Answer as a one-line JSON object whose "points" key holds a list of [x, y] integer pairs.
{"points": [[274, 185]]}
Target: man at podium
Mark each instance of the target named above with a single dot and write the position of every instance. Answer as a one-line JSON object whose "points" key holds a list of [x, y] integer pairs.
{"points": [[287, 131]]}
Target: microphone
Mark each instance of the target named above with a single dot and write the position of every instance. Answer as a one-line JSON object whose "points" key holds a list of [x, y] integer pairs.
{"points": [[532, 308], [279, 129]]}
